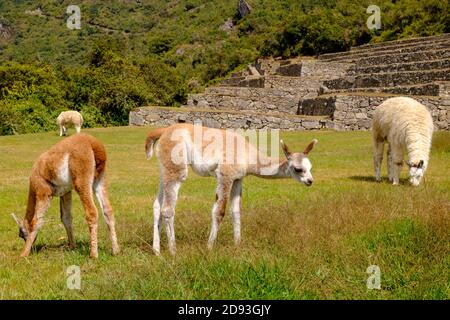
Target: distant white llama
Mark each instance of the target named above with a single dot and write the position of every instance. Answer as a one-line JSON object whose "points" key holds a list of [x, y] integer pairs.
{"points": [[405, 124], [66, 118]]}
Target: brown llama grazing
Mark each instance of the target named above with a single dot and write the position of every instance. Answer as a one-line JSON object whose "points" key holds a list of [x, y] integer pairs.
{"points": [[79, 163]]}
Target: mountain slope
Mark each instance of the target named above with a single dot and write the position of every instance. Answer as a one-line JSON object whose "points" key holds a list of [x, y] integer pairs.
{"points": [[130, 53]]}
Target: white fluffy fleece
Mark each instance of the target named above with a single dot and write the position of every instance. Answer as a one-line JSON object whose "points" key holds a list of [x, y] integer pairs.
{"points": [[66, 118], [406, 125]]}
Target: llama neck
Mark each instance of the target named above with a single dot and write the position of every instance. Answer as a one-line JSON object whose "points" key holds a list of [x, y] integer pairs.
{"points": [[418, 146], [269, 168]]}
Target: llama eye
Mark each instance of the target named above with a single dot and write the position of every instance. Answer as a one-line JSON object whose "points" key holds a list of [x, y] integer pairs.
{"points": [[299, 170]]}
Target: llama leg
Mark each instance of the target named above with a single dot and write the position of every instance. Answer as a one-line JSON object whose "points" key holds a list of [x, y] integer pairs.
{"points": [[91, 213], [42, 205], [218, 210], [61, 131], [397, 161], [378, 158], [101, 193], [236, 199], [389, 164], [170, 195], [77, 128], [157, 220], [65, 205]]}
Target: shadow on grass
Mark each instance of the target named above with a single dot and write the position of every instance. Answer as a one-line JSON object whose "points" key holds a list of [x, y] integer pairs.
{"points": [[82, 247], [403, 181]]}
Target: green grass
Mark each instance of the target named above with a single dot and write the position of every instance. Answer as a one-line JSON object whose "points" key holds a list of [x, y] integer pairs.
{"points": [[298, 242]]}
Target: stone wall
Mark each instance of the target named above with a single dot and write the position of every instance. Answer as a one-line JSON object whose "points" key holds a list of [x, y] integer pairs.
{"points": [[347, 112], [402, 58], [304, 85], [355, 112], [248, 99], [337, 91], [400, 43], [160, 116], [388, 79], [324, 70]]}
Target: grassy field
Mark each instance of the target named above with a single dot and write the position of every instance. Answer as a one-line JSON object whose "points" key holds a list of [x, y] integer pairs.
{"points": [[298, 242]]}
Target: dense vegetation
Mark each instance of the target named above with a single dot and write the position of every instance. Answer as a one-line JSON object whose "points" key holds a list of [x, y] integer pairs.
{"points": [[128, 54]]}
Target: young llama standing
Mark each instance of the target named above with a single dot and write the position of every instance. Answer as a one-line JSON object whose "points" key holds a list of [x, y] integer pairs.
{"points": [[181, 145], [404, 124], [79, 163]]}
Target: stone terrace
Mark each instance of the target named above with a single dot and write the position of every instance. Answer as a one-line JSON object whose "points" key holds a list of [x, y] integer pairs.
{"points": [[336, 91]]}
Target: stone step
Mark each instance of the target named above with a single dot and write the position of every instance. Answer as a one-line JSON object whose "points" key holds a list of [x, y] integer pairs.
{"points": [[246, 99], [245, 82], [391, 79], [405, 57], [324, 70], [306, 84], [437, 44], [251, 92], [431, 44], [165, 116], [232, 81], [395, 43], [272, 66], [289, 70], [312, 71], [396, 67], [427, 89], [356, 57]]}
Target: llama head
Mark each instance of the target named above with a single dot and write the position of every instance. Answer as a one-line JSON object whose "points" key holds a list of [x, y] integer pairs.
{"points": [[416, 171], [299, 166], [23, 233]]}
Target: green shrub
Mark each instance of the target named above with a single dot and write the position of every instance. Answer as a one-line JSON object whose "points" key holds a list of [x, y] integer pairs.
{"points": [[26, 116]]}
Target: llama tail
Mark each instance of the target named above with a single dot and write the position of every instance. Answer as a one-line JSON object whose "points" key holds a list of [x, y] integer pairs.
{"points": [[152, 137], [100, 156]]}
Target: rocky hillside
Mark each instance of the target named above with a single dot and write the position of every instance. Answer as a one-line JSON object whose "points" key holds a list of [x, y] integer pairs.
{"points": [[131, 53], [336, 91]]}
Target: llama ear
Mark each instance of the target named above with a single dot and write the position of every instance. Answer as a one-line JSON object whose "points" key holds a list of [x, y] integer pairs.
{"points": [[310, 147], [420, 165], [285, 148]]}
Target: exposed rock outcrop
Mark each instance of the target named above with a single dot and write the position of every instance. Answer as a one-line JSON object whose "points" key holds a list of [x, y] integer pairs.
{"points": [[244, 9]]}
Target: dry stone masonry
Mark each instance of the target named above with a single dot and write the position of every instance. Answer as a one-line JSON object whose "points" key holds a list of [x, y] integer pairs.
{"points": [[336, 91]]}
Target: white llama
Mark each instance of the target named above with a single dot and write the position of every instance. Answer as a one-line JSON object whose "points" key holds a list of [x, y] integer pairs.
{"points": [[66, 118], [404, 124]]}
